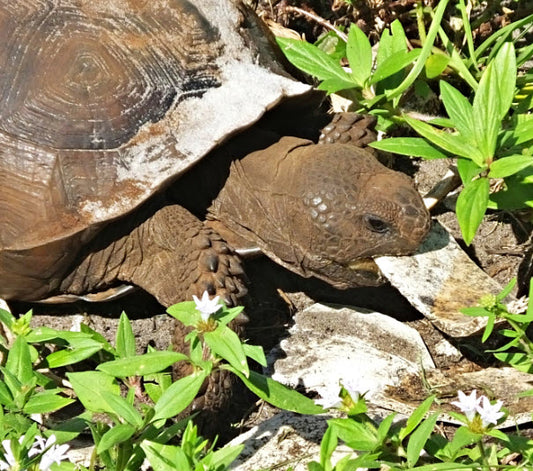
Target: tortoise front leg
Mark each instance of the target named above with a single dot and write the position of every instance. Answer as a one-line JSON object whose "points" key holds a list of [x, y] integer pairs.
{"points": [[169, 253]]}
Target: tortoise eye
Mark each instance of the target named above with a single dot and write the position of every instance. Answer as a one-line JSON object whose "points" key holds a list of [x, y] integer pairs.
{"points": [[376, 224]]}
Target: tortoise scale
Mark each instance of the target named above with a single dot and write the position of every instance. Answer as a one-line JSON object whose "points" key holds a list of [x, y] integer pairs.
{"points": [[104, 104]]}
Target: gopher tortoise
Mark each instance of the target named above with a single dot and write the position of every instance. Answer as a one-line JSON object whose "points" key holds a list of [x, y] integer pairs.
{"points": [[106, 104]]}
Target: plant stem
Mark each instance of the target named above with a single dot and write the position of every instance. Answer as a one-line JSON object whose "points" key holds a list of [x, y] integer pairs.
{"points": [[483, 454]]}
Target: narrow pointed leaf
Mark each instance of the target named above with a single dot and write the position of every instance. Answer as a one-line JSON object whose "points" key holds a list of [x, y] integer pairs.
{"points": [[89, 386], [394, 64], [359, 54], [355, 434], [141, 365], [115, 435], [122, 408], [227, 344], [416, 417], [125, 339], [510, 165], [486, 110], [312, 60], [69, 357], [45, 402], [458, 108], [277, 394], [178, 396], [412, 146], [19, 361], [523, 131], [419, 438], [504, 69], [223, 457], [424, 54], [468, 169], [471, 207], [391, 42], [453, 143]]}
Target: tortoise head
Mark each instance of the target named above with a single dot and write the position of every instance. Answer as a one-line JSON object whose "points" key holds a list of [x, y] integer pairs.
{"points": [[323, 210]]}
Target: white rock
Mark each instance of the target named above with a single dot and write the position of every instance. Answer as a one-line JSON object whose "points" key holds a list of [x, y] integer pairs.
{"points": [[367, 349], [286, 441], [439, 280]]}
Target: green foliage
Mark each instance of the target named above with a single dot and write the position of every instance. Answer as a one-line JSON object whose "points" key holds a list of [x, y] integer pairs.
{"points": [[134, 392], [483, 140], [373, 87], [518, 351]]}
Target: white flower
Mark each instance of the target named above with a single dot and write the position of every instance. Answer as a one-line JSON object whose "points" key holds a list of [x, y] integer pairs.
{"points": [[328, 399], [8, 455], [349, 385], [207, 306], [468, 404], [490, 413]]}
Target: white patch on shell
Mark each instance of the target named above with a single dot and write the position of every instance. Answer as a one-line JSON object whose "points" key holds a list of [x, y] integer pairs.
{"points": [[198, 124]]}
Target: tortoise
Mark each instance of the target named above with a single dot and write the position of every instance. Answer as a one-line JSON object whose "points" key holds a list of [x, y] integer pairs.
{"points": [[107, 104]]}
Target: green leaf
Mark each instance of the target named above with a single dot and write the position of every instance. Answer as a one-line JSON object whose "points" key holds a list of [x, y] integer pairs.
{"points": [[523, 131], [507, 166], [467, 169], [412, 146], [69, 357], [312, 60], [416, 417], [391, 42], [19, 361], [504, 70], [45, 402], [385, 426], [6, 398], [125, 341], [476, 312], [471, 207], [178, 396], [419, 438], [141, 365], [255, 352], [453, 143], [7, 318], [486, 109], [518, 193], [222, 458], [359, 55], [520, 361], [166, 457], [327, 447], [186, 313], [334, 85], [225, 315], [115, 435], [227, 344], [277, 394], [459, 109], [394, 64], [436, 64], [424, 54], [122, 409], [89, 386], [356, 435], [14, 385]]}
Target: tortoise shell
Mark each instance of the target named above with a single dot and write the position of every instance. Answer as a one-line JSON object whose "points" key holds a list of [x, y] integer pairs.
{"points": [[103, 104]]}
